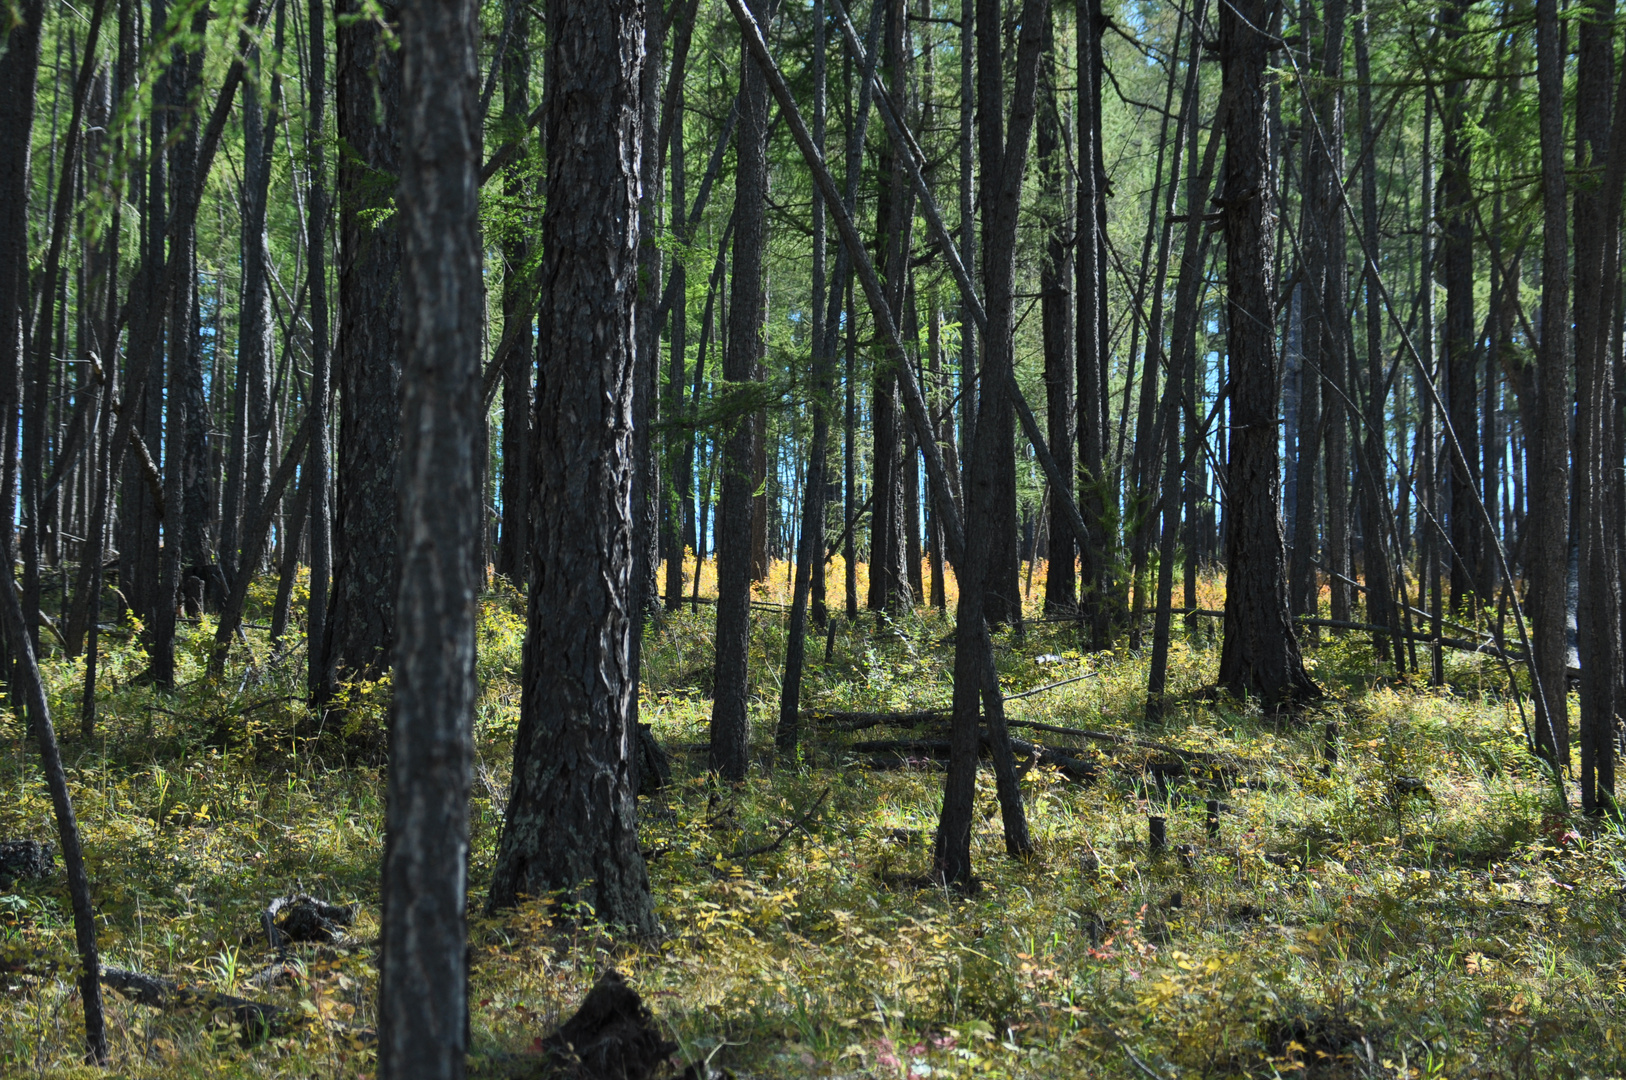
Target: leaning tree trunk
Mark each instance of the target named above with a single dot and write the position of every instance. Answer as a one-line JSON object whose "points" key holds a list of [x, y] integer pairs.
{"points": [[423, 977], [361, 609], [1260, 655], [571, 826]]}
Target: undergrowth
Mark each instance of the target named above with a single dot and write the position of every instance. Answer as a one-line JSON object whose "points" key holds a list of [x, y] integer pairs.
{"points": [[1416, 908]]}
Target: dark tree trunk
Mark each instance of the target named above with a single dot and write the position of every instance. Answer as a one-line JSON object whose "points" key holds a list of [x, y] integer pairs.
{"points": [[976, 682], [1456, 254], [810, 549], [730, 725], [679, 446], [1374, 469], [423, 1028], [571, 824], [181, 346], [1306, 318], [1260, 655], [139, 517], [888, 569], [361, 611], [1056, 314], [1090, 307], [1002, 589], [19, 67], [1597, 214], [1548, 549], [646, 479], [320, 510], [251, 424], [1334, 322], [518, 312]]}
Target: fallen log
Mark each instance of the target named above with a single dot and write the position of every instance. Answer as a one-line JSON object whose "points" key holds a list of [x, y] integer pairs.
{"points": [[257, 1018], [1205, 756], [860, 721]]}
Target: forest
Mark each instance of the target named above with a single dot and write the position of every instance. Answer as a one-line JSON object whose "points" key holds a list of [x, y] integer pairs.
{"points": [[619, 539]]}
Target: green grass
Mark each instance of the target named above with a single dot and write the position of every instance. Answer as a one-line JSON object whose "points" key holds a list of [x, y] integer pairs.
{"points": [[1336, 927]]}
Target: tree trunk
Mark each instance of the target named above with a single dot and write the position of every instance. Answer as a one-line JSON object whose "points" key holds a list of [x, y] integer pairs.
{"points": [[320, 510], [1374, 469], [1089, 268], [1547, 552], [182, 346], [1056, 314], [976, 683], [1334, 321], [251, 442], [810, 549], [361, 612], [19, 67], [571, 825], [423, 1028], [1456, 253], [730, 725], [1260, 655], [646, 478], [1597, 213], [679, 447]]}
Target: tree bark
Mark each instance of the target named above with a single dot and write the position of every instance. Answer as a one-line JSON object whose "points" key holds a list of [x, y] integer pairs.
{"points": [[1260, 655], [1456, 254], [184, 374], [361, 608], [1547, 559], [1597, 214], [810, 550], [320, 509], [730, 724], [1056, 315], [423, 976], [1091, 339], [976, 686], [251, 435], [571, 825]]}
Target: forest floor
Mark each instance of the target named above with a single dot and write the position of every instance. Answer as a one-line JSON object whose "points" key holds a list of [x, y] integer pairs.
{"points": [[1420, 908]]}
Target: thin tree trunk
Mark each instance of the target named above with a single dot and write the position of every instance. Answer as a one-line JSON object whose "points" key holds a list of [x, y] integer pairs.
{"points": [[810, 550], [1090, 290], [181, 347], [1374, 510], [1597, 215], [1456, 256], [730, 725], [320, 511], [1547, 553], [1055, 279]]}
